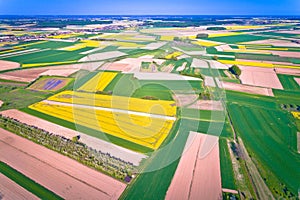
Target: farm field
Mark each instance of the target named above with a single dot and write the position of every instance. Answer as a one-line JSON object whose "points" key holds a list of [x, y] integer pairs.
{"points": [[142, 130], [98, 82], [158, 107], [139, 98], [271, 148], [63, 176], [30, 188], [198, 172], [50, 84]]}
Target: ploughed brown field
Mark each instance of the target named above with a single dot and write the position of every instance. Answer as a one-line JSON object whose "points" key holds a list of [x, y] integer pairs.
{"points": [[62, 175], [198, 174], [11, 190], [6, 65], [40, 123]]}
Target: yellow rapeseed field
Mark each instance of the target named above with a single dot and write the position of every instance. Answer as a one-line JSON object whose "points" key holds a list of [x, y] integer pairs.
{"points": [[173, 55], [211, 35], [205, 43], [146, 131], [296, 115], [98, 82], [160, 107], [48, 64]]}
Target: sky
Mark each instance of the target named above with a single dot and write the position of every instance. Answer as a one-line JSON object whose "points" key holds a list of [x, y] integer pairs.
{"points": [[149, 7]]}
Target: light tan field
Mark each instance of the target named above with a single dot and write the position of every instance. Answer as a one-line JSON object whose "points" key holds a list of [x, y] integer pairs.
{"points": [[207, 105], [1, 102], [62, 175], [11, 190], [247, 88], [5, 65], [198, 174], [259, 76], [40, 123]]}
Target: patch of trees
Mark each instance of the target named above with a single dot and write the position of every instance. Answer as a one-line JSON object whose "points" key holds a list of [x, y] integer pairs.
{"points": [[202, 35], [74, 149], [235, 70], [215, 28]]}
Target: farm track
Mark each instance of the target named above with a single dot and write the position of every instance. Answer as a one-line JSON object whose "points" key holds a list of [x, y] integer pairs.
{"points": [[261, 189]]}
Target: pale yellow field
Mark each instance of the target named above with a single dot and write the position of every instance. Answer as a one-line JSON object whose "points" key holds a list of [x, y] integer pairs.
{"points": [[98, 82], [173, 55], [159, 107], [142, 130]]}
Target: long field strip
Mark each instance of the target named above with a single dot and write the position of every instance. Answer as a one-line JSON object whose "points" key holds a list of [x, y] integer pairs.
{"points": [[98, 82], [143, 130], [159, 107]]}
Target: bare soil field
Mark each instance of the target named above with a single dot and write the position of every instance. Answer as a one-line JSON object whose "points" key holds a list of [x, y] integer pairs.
{"points": [[59, 72], [5, 65], [297, 80], [154, 45], [286, 54], [26, 75], [130, 64], [295, 72], [184, 99], [209, 81], [259, 76], [102, 56], [207, 105], [11, 190], [197, 63], [40, 123], [64, 176], [1, 102], [198, 174], [247, 88]]}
